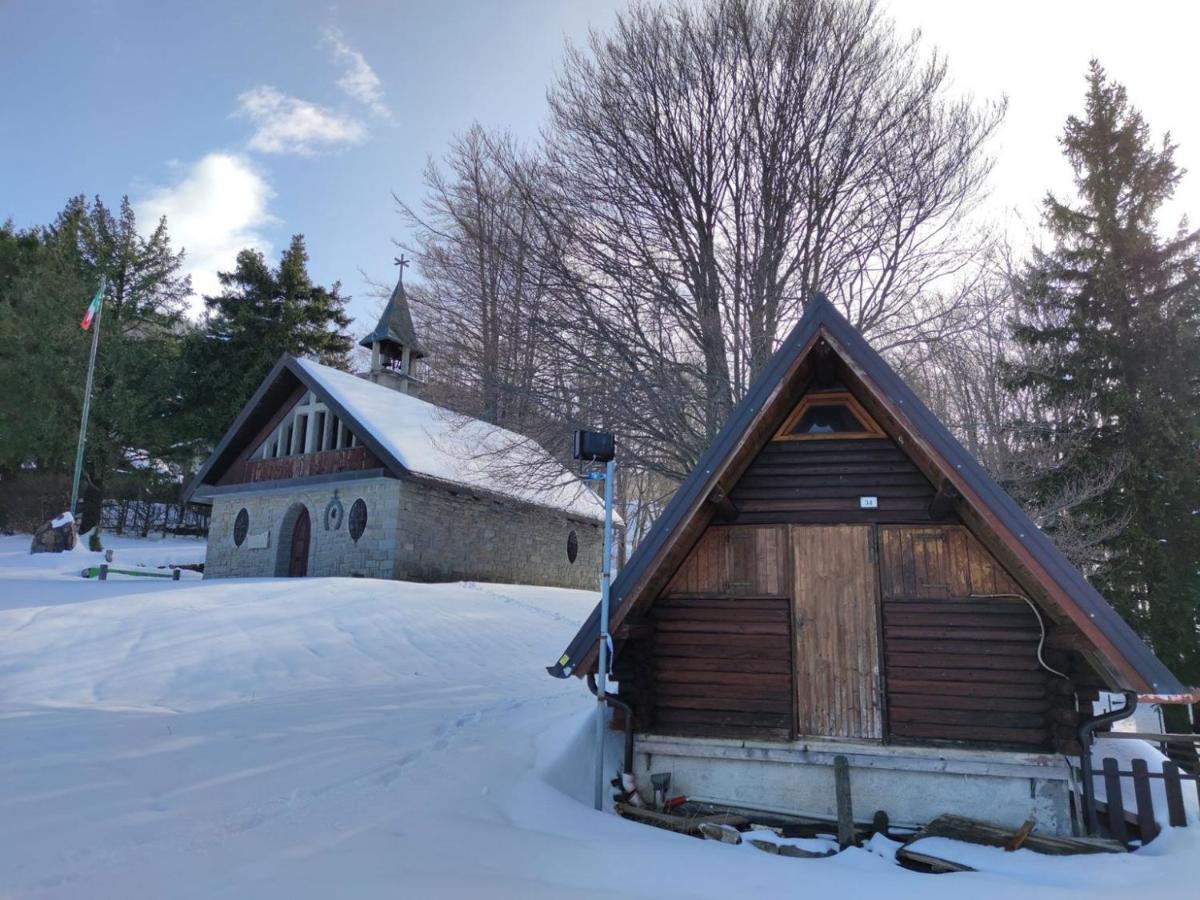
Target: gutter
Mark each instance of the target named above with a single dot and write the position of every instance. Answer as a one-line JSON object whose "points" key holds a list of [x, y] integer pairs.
{"points": [[1085, 733]]}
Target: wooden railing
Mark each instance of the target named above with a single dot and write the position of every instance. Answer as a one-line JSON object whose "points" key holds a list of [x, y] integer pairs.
{"points": [[351, 459], [1141, 822]]}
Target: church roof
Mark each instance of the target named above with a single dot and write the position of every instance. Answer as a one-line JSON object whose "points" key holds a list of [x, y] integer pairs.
{"points": [[413, 438], [1002, 524], [396, 324]]}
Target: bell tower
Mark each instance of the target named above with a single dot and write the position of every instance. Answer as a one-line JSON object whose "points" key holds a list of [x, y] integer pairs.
{"points": [[393, 343]]}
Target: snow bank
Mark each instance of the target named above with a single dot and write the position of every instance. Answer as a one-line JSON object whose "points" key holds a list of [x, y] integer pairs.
{"points": [[356, 738]]}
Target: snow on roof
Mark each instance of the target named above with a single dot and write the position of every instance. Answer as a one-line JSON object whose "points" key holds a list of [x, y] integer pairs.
{"points": [[436, 443]]}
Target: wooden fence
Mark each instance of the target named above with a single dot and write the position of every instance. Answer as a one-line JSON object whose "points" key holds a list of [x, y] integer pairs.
{"points": [[1141, 822]]}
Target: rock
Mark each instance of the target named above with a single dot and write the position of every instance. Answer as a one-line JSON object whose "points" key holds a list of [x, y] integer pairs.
{"points": [[55, 536]]}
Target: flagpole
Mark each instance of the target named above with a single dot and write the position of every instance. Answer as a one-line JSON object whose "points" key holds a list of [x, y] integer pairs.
{"points": [[87, 403]]}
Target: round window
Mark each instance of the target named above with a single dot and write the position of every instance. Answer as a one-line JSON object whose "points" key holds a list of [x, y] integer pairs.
{"points": [[241, 526], [334, 515], [572, 546], [358, 519]]}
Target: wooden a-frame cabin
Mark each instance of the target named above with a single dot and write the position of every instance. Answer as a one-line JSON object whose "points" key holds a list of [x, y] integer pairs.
{"points": [[839, 577]]}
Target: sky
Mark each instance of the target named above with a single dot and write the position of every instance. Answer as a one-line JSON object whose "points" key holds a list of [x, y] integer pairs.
{"points": [[246, 122]]}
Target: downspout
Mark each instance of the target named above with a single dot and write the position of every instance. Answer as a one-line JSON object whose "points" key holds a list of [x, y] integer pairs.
{"points": [[628, 783], [1086, 729]]}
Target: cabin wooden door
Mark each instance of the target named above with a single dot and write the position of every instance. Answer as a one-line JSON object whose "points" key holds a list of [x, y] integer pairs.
{"points": [[298, 558], [836, 626]]}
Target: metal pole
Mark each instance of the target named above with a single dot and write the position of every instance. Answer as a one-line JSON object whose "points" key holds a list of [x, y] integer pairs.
{"points": [[602, 666], [87, 403]]}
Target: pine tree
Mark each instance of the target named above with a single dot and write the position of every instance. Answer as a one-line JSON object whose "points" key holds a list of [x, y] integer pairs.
{"points": [[260, 315], [47, 276], [1109, 325]]}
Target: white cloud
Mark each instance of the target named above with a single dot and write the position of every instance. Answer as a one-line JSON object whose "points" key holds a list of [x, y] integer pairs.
{"points": [[217, 208], [359, 81], [286, 124]]}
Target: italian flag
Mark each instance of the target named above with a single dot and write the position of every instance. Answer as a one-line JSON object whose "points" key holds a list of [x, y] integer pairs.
{"points": [[93, 308]]}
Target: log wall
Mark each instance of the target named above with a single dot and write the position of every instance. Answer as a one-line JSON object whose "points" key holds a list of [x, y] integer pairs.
{"points": [[959, 666], [718, 661], [822, 481]]}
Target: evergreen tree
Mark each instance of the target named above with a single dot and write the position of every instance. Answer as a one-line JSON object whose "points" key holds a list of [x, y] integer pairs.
{"points": [[47, 276], [1109, 325], [261, 314]]}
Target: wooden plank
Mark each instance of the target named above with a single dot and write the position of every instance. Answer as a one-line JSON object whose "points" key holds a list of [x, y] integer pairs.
{"points": [[752, 664], [941, 700], [836, 644], [962, 661], [1116, 809], [1022, 649], [719, 601], [960, 828], [782, 705], [703, 641], [844, 516], [968, 675], [738, 731], [779, 629], [984, 690], [731, 611], [898, 618], [916, 632], [668, 716], [846, 504], [953, 606], [972, 733], [827, 491], [1174, 790], [668, 691], [754, 680], [845, 816], [924, 861], [681, 824], [715, 654], [769, 470], [985, 718], [1147, 826]]}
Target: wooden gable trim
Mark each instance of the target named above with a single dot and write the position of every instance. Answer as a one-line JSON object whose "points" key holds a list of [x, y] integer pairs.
{"points": [[829, 398], [261, 435], [224, 458]]}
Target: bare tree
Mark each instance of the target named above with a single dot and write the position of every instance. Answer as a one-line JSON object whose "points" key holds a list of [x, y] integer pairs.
{"points": [[707, 168], [703, 170], [963, 375]]}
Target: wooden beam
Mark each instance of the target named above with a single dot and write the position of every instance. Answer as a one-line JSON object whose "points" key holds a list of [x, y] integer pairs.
{"points": [[726, 509], [630, 630], [943, 503]]}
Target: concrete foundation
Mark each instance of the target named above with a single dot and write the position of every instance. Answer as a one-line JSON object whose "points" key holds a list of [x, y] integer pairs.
{"points": [[913, 785]]}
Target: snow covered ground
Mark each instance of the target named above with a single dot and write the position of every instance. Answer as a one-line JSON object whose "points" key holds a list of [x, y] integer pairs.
{"points": [[355, 738]]}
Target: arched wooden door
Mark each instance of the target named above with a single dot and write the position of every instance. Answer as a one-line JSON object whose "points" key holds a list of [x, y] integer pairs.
{"points": [[298, 557]]}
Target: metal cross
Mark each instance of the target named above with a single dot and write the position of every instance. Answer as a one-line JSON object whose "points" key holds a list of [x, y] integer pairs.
{"points": [[401, 262]]}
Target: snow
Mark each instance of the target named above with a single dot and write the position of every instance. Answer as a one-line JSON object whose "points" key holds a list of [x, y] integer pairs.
{"points": [[431, 441], [358, 738]]}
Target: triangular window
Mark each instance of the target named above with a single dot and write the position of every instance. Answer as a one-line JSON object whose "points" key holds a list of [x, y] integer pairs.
{"points": [[832, 415]]}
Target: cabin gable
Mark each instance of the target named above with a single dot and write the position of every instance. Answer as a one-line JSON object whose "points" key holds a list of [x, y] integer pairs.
{"points": [[812, 614]]}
